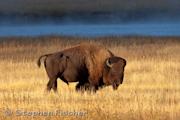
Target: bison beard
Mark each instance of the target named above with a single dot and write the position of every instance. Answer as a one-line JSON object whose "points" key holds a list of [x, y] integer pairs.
{"points": [[93, 66]]}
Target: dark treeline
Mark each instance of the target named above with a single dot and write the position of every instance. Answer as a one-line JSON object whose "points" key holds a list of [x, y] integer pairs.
{"points": [[88, 11]]}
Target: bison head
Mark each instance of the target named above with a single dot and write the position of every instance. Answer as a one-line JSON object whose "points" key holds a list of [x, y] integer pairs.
{"points": [[114, 71]]}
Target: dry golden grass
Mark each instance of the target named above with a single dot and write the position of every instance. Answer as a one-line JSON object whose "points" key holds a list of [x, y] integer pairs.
{"points": [[151, 87]]}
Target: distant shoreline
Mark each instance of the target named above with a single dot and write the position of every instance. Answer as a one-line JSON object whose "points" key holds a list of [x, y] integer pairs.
{"points": [[88, 18], [93, 11]]}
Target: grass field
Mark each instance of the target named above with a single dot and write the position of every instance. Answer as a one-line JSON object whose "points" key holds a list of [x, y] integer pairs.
{"points": [[150, 90]]}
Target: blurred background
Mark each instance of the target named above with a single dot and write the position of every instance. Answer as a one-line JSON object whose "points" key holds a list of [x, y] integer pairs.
{"points": [[89, 11], [63, 12]]}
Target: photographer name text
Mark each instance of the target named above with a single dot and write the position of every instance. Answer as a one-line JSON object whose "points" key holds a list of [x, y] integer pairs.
{"points": [[45, 113]]}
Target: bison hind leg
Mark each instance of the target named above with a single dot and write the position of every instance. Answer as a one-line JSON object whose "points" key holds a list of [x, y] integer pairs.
{"points": [[52, 83], [54, 86]]}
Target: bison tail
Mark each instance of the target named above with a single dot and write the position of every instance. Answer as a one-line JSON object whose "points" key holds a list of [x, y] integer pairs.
{"points": [[39, 60]]}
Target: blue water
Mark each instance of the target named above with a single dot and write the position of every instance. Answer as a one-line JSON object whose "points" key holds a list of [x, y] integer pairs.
{"points": [[96, 30]]}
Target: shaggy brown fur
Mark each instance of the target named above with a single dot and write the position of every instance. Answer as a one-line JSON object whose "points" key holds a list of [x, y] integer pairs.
{"points": [[83, 63]]}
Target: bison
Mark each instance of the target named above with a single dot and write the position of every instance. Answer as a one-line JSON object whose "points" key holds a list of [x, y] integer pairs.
{"points": [[93, 66]]}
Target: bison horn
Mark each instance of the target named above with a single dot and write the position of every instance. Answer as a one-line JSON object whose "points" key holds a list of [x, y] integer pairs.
{"points": [[108, 64]]}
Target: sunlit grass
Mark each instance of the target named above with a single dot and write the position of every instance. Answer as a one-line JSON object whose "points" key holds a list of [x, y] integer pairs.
{"points": [[150, 90]]}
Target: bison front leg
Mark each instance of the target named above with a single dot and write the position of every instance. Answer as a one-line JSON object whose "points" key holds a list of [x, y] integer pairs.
{"points": [[86, 87], [50, 84], [93, 83], [80, 87], [91, 87]]}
